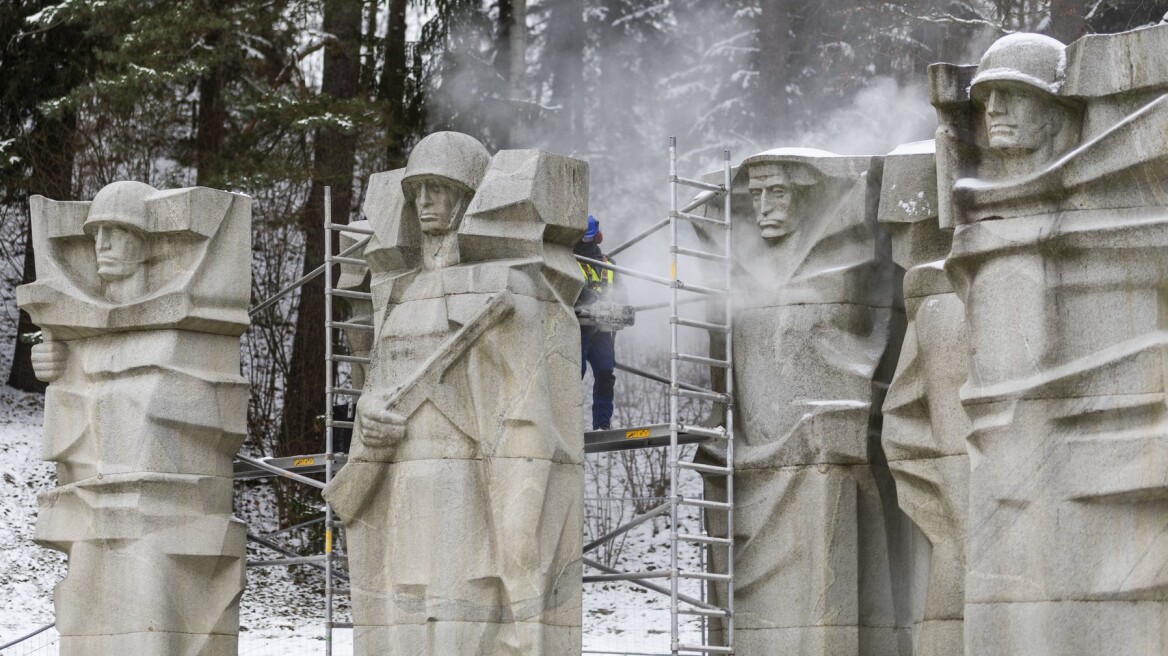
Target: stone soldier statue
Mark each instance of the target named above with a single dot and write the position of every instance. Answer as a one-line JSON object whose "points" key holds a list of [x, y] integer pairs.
{"points": [[1057, 193], [142, 295], [814, 325], [462, 498]]}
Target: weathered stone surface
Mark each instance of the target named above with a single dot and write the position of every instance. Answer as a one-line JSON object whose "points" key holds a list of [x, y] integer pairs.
{"points": [[817, 531], [1061, 228], [142, 295], [924, 424], [463, 495]]}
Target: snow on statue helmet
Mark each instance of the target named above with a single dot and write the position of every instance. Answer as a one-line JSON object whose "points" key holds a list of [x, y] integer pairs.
{"points": [[119, 203], [1031, 59], [449, 155]]}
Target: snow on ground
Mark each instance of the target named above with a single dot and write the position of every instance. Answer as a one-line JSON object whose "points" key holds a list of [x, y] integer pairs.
{"points": [[27, 572], [620, 617]]}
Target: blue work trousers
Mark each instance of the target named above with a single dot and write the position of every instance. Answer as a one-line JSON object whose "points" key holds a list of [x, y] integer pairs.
{"points": [[598, 349]]}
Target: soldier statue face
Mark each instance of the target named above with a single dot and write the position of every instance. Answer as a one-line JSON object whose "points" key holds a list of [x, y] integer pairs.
{"points": [[1015, 94], [439, 204], [121, 252], [1019, 120], [773, 190]]}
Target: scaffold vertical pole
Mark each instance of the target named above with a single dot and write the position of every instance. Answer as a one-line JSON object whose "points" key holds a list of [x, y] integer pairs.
{"points": [[674, 578], [674, 420], [729, 415], [328, 423], [707, 563]]}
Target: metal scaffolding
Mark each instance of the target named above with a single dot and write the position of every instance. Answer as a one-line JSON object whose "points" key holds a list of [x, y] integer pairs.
{"points": [[330, 562], [681, 433], [672, 436], [332, 392]]}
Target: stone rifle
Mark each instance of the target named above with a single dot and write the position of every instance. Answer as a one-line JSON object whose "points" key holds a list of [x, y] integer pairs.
{"points": [[406, 399]]}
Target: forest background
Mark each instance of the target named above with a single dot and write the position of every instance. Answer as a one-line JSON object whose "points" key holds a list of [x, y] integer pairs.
{"points": [[278, 99]]}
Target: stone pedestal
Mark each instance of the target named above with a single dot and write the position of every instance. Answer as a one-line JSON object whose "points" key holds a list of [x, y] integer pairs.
{"points": [[463, 496], [142, 296]]}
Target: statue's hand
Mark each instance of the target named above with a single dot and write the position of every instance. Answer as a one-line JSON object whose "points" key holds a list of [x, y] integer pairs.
{"points": [[379, 427], [48, 360]]}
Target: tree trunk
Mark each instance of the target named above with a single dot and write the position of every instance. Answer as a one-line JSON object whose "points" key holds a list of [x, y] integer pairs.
{"points": [[612, 50], [774, 52], [392, 89], [209, 129], [517, 50], [503, 40], [511, 63], [1067, 19], [51, 151], [211, 115], [566, 36], [334, 157]]}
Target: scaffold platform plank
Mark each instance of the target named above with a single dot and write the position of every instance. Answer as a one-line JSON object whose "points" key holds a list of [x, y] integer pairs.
{"points": [[616, 439], [639, 437], [306, 464]]}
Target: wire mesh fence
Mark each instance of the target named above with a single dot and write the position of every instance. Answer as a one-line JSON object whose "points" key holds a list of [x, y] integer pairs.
{"points": [[43, 641], [309, 642]]}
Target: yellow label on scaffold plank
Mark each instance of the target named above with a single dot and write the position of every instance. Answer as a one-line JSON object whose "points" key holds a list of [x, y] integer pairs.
{"points": [[328, 540], [303, 462], [636, 434]]}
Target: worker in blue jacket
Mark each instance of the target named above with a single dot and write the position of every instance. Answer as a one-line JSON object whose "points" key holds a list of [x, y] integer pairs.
{"points": [[597, 339]]}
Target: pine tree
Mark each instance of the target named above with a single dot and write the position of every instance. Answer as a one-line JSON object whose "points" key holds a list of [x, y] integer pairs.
{"points": [[36, 156], [334, 158]]}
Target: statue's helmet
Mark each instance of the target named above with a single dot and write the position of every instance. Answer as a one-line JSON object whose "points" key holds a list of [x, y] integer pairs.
{"points": [[122, 204], [1033, 60], [453, 156]]}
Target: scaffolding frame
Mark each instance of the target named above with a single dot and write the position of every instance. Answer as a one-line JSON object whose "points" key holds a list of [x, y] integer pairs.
{"points": [[672, 436], [681, 604], [327, 463]]}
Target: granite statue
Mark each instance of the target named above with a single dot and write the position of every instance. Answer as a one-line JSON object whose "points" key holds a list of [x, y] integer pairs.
{"points": [[815, 321], [463, 495], [141, 296], [1053, 166]]}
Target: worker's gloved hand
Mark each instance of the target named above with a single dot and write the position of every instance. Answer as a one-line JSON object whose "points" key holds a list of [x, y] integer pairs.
{"points": [[379, 426], [48, 360]]}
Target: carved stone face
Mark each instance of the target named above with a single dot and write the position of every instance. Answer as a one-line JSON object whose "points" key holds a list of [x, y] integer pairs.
{"points": [[120, 252], [439, 205], [772, 206], [1018, 120], [773, 189]]}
